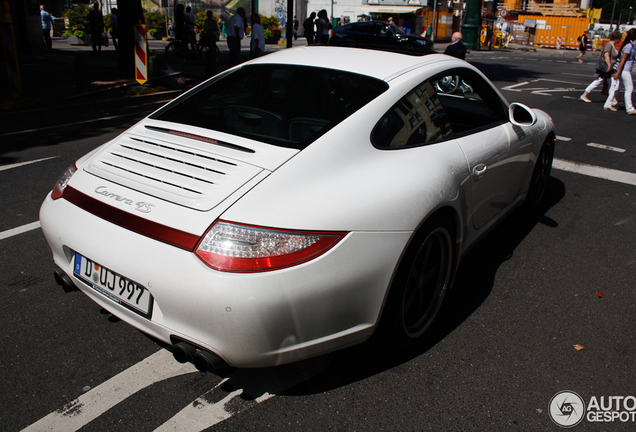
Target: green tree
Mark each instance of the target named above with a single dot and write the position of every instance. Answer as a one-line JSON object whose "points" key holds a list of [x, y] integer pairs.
{"points": [[155, 20], [78, 17], [271, 22], [621, 11]]}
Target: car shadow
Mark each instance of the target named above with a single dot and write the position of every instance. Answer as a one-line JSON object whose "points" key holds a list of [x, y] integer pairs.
{"points": [[473, 284]]}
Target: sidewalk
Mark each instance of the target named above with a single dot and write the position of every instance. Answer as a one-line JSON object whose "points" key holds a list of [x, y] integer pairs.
{"points": [[71, 74]]}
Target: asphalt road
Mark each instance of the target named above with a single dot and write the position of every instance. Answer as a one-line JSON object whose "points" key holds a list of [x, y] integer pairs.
{"points": [[503, 344]]}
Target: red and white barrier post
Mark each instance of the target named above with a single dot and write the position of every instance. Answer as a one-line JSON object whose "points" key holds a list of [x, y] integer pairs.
{"points": [[141, 54]]}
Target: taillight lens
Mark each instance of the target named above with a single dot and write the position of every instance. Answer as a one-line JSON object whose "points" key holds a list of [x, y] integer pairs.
{"points": [[58, 190], [232, 247]]}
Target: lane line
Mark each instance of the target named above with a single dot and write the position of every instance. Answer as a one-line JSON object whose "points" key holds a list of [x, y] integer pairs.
{"points": [[595, 171], [606, 147], [19, 230], [200, 414], [86, 408], [16, 165], [562, 138]]}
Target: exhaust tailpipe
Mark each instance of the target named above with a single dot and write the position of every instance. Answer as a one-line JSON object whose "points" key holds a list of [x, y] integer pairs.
{"points": [[64, 281], [206, 361], [183, 352]]}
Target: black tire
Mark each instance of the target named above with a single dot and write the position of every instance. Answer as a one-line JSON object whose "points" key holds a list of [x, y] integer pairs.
{"points": [[421, 283], [176, 53], [540, 175]]}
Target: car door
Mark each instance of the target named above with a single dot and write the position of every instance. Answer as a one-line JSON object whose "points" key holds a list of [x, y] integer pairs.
{"points": [[363, 33], [498, 154]]}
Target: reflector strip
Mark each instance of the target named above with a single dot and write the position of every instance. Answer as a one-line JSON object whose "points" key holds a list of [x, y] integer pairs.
{"points": [[156, 231]]}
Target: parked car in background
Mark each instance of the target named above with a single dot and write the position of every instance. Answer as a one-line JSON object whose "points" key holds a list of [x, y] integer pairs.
{"points": [[296, 203], [381, 35]]}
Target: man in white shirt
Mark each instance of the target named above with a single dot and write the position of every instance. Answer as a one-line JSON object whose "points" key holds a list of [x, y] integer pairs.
{"points": [[235, 33], [257, 43]]}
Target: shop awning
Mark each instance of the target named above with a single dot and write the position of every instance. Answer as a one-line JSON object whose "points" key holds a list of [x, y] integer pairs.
{"points": [[367, 9]]}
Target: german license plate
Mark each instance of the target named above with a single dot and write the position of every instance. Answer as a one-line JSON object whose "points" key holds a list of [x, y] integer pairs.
{"points": [[114, 286]]}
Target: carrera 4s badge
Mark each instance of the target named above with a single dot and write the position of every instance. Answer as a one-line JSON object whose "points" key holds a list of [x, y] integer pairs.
{"points": [[140, 206]]}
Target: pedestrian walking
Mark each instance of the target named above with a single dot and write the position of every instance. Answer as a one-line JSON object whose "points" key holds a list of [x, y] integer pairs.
{"points": [[47, 22], [582, 46], [624, 71], [322, 28], [211, 35], [190, 27], [295, 27], [235, 33], [114, 26], [614, 83], [223, 28], [308, 27], [609, 54], [456, 48], [96, 23]]}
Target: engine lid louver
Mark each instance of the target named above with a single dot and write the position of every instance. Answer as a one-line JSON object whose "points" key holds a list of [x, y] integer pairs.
{"points": [[187, 176]]}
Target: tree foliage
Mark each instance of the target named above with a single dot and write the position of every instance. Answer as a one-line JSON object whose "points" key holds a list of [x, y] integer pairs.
{"points": [[77, 17], [271, 22], [621, 11], [155, 20]]}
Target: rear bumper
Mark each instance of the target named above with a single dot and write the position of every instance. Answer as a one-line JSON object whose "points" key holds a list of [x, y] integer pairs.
{"points": [[249, 320]]}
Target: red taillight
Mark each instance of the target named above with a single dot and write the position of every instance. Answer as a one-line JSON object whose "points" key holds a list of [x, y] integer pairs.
{"points": [[240, 248], [58, 190]]}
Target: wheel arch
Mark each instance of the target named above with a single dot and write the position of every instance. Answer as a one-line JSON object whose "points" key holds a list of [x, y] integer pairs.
{"points": [[451, 216]]}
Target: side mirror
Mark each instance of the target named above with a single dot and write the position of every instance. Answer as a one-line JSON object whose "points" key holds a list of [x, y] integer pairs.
{"points": [[521, 115]]}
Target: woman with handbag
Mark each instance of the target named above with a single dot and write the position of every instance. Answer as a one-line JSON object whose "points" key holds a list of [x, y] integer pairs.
{"points": [[604, 68], [582, 46], [625, 70]]}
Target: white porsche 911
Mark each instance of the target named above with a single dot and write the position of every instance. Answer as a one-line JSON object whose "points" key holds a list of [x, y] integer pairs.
{"points": [[280, 209]]}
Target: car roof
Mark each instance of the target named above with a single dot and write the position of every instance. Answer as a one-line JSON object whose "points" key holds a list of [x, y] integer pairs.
{"points": [[379, 64]]}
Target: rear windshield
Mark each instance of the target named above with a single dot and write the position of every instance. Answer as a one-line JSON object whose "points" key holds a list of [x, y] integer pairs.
{"points": [[288, 106]]}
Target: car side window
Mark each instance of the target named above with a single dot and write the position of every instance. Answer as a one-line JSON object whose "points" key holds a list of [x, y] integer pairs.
{"points": [[469, 101], [363, 28], [419, 118]]}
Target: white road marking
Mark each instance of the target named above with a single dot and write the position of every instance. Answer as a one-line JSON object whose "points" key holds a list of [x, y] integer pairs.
{"points": [[595, 171], [19, 230], [78, 413], [580, 75], [16, 165], [541, 90], [606, 147], [201, 414], [562, 138]]}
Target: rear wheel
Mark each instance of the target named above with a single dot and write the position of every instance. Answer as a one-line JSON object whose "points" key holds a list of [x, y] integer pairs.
{"points": [[422, 281]]}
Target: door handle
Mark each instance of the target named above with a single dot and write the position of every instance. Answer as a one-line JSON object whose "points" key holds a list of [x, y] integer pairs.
{"points": [[479, 171]]}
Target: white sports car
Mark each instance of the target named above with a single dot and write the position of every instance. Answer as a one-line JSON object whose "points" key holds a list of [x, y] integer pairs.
{"points": [[279, 210]]}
